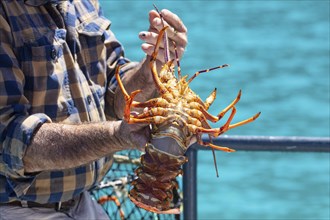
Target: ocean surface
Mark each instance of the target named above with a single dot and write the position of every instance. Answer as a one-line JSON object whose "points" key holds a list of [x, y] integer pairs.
{"points": [[278, 53]]}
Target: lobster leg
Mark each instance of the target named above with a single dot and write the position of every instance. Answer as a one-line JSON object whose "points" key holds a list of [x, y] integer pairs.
{"points": [[177, 61], [213, 146], [208, 102], [244, 121], [130, 103], [150, 120], [216, 147], [223, 112], [205, 71], [166, 68], [128, 98], [159, 85], [225, 127], [155, 102], [208, 115], [198, 106], [155, 111]]}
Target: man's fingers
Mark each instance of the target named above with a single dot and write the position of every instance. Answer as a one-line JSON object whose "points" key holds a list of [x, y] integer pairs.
{"points": [[170, 19], [177, 33], [149, 37], [149, 49], [174, 21], [154, 19]]}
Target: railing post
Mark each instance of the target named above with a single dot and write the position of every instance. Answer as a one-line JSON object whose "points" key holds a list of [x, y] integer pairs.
{"points": [[190, 185]]}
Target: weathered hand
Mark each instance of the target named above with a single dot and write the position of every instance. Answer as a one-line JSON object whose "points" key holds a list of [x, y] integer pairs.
{"points": [[134, 136], [176, 32]]}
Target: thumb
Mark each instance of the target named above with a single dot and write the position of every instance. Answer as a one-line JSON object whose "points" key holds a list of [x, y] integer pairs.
{"points": [[141, 137]]}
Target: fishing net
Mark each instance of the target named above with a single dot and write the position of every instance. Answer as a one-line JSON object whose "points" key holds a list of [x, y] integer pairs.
{"points": [[112, 192]]}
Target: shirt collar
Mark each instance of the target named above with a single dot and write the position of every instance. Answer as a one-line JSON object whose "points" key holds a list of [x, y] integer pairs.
{"points": [[41, 2]]}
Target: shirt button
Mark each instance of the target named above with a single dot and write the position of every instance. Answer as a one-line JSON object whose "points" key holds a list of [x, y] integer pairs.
{"points": [[53, 53], [89, 99]]}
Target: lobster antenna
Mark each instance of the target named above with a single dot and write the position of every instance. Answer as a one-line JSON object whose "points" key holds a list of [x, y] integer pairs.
{"points": [[166, 48]]}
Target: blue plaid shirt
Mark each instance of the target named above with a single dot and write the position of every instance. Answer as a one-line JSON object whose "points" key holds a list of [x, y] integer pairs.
{"points": [[57, 63]]}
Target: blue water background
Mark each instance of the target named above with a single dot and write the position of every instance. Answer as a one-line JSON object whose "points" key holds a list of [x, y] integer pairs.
{"points": [[278, 53]]}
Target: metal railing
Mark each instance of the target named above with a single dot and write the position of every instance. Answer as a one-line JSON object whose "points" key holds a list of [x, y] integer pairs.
{"points": [[246, 143]]}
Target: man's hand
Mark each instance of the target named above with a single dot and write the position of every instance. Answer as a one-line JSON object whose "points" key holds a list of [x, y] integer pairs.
{"points": [[141, 77], [176, 32], [135, 136]]}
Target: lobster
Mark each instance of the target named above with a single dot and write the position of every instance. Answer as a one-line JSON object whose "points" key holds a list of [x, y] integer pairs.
{"points": [[176, 116]]}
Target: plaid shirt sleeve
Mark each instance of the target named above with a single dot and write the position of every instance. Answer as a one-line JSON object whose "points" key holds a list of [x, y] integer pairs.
{"points": [[17, 127]]}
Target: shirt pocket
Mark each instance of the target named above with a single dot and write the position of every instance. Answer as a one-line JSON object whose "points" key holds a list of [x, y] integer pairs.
{"points": [[92, 35], [93, 27], [45, 79], [38, 60], [39, 63]]}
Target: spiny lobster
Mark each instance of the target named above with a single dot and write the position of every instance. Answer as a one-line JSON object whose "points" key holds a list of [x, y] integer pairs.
{"points": [[176, 116]]}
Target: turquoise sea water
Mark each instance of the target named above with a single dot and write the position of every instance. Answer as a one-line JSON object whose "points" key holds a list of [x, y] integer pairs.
{"points": [[278, 53]]}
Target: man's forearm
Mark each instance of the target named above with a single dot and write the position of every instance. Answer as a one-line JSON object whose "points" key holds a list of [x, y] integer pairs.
{"points": [[62, 146]]}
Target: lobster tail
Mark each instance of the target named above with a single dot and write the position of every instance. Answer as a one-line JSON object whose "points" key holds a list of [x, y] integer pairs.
{"points": [[153, 189]]}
